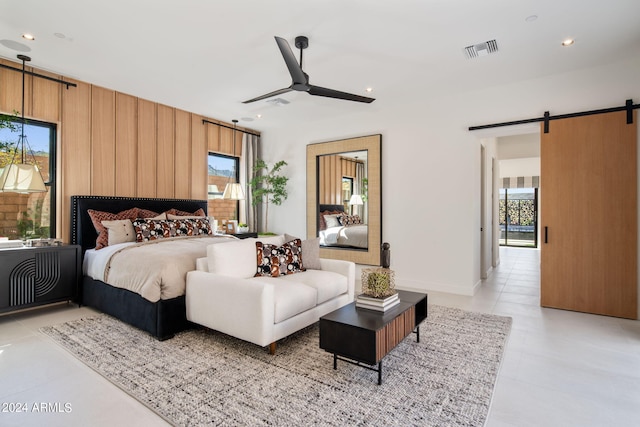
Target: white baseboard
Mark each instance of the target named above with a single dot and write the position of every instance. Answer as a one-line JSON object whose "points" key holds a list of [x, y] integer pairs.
{"points": [[419, 286]]}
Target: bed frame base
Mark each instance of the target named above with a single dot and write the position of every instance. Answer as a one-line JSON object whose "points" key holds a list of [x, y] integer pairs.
{"points": [[162, 319]]}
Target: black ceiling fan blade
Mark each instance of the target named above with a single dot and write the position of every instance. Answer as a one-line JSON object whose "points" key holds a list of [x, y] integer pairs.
{"points": [[330, 93], [269, 95], [297, 75]]}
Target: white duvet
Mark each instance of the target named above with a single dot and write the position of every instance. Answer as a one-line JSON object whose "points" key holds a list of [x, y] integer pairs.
{"points": [[155, 270], [353, 235]]}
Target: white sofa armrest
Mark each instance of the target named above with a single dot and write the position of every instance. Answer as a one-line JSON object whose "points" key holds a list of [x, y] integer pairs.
{"points": [[242, 308], [201, 264], [346, 268]]}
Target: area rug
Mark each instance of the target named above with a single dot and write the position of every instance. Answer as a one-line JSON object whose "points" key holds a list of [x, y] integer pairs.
{"points": [[202, 377]]}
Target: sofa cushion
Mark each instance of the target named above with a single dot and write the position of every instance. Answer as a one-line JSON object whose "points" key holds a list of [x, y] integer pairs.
{"points": [[236, 258], [281, 260], [328, 284], [290, 297]]}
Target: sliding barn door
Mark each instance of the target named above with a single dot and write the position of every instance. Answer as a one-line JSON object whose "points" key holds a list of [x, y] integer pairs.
{"points": [[589, 215]]}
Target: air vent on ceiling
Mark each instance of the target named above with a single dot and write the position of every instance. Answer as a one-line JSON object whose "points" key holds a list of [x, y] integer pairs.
{"points": [[481, 49], [277, 101]]}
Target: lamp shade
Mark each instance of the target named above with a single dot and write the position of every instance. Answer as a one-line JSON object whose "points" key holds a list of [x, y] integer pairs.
{"points": [[213, 192], [21, 178], [233, 191], [356, 199]]}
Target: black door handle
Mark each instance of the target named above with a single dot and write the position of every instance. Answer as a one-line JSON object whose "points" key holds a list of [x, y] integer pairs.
{"points": [[546, 234]]}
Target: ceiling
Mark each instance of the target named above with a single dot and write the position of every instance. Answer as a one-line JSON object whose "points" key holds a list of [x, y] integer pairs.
{"points": [[208, 56]]}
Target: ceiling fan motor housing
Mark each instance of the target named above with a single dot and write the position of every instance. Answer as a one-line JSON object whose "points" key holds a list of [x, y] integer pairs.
{"points": [[302, 42]]}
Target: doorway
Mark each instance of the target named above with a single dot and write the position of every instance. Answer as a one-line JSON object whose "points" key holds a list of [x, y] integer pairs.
{"points": [[518, 214]]}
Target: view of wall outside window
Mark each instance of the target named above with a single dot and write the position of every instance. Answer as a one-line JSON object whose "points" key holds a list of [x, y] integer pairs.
{"points": [[222, 170], [28, 216], [518, 216]]}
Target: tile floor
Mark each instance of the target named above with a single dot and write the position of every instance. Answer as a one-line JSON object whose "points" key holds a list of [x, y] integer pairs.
{"points": [[560, 368]]}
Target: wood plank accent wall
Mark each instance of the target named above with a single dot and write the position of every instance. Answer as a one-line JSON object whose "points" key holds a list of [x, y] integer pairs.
{"points": [[111, 143], [331, 169], [126, 147]]}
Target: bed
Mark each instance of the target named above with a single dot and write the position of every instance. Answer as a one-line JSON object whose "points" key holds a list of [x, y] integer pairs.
{"points": [[160, 315], [340, 235]]}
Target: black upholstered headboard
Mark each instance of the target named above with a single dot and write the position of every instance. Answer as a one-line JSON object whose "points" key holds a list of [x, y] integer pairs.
{"points": [[84, 234], [322, 208]]}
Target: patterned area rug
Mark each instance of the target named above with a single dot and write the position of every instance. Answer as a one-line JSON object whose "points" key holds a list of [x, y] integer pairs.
{"points": [[202, 377]]}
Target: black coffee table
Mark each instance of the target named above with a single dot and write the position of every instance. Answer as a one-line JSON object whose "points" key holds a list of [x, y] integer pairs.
{"points": [[358, 335]]}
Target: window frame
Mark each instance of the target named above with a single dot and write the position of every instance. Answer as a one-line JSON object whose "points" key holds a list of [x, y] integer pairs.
{"points": [[51, 181]]}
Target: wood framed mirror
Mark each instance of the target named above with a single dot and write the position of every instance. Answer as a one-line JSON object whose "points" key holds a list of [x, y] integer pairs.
{"points": [[344, 198]]}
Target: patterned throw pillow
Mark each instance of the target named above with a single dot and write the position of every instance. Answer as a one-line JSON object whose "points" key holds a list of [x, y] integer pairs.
{"points": [[98, 216], [199, 212], [310, 252], [347, 220], [274, 261], [154, 229], [200, 225], [146, 213]]}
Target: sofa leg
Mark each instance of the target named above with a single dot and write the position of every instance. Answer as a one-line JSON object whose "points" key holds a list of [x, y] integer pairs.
{"points": [[272, 348]]}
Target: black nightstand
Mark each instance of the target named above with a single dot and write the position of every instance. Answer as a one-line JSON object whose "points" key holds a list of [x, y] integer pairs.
{"points": [[245, 235], [33, 276]]}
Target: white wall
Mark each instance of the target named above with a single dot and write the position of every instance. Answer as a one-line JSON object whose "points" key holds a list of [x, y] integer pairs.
{"points": [[517, 146], [431, 164], [529, 166]]}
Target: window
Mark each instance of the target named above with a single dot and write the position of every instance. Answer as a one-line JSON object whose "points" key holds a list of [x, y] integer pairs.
{"points": [[222, 170], [347, 191], [29, 216], [518, 209]]}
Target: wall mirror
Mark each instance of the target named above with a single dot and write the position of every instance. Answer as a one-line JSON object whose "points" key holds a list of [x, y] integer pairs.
{"points": [[344, 200]]}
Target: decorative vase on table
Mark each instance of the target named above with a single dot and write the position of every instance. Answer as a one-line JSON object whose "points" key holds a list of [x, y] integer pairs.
{"points": [[378, 289]]}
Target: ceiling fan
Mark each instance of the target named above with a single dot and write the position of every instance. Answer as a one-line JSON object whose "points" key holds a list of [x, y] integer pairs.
{"points": [[300, 79]]}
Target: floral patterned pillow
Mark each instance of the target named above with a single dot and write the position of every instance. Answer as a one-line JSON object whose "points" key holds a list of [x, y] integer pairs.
{"points": [[274, 261], [153, 229], [347, 220]]}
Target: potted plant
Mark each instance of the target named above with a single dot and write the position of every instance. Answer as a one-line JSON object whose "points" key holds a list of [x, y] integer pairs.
{"points": [[243, 228], [268, 186], [6, 149]]}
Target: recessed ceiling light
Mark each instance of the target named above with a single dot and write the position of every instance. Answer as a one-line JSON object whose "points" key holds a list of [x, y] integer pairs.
{"points": [[28, 36], [369, 89], [259, 116], [568, 42], [531, 18]]}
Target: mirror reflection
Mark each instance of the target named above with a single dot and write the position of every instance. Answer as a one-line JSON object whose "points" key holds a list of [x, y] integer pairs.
{"points": [[344, 188], [342, 200]]}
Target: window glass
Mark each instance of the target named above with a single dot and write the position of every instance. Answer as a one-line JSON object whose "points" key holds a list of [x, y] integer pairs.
{"points": [[28, 216], [222, 170]]}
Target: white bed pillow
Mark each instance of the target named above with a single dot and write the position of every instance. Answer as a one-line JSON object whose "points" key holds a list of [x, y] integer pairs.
{"points": [[332, 220], [234, 259], [172, 216]]}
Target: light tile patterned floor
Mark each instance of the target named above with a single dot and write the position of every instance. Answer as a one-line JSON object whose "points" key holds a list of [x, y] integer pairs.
{"points": [[560, 368]]}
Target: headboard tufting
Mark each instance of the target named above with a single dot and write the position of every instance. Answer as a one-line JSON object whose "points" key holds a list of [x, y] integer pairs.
{"points": [[84, 234]]}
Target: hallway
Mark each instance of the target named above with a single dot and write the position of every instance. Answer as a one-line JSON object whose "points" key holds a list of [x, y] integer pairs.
{"points": [[560, 368]]}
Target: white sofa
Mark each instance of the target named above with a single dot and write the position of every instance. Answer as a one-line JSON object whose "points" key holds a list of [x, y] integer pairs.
{"points": [[224, 295]]}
